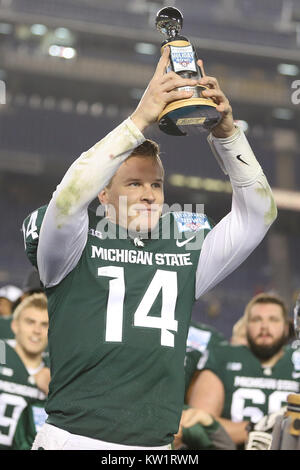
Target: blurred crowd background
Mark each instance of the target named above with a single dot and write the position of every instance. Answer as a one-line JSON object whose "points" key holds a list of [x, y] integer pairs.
{"points": [[71, 70]]}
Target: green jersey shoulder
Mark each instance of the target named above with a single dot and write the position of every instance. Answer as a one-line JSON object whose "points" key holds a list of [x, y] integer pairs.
{"points": [[5, 328], [201, 339], [251, 390], [29, 424]]}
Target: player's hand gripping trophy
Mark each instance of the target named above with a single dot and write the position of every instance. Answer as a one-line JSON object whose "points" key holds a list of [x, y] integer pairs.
{"points": [[195, 114]]}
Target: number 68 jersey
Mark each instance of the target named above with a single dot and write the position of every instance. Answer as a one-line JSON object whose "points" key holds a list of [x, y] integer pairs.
{"points": [[118, 325], [253, 391]]}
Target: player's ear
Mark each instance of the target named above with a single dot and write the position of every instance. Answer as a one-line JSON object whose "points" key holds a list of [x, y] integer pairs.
{"points": [[103, 197]]}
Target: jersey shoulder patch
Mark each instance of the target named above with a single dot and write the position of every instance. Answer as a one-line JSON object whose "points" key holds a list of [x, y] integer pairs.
{"points": [[191, 221], [296, 360], [198, 339], [31, 230]]}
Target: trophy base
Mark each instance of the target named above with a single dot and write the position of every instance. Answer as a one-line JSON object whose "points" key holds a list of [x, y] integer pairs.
{"points": [[190, 116]]}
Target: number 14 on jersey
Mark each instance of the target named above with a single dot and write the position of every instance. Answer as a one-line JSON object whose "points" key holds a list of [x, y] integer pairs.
{"points": [[165, 281]]}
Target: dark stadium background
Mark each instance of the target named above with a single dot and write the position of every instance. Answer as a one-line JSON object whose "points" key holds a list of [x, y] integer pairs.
{"points": [[74, 69]]}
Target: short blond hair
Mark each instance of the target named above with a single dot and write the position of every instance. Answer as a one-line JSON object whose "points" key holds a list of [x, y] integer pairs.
{"points": [[147, 149], [266, 298], [35, 301]]}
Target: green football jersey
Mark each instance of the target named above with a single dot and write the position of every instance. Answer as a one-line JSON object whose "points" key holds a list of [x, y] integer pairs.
{"points": [[201, 339], [253, 391], [16, 394], [30, 422], [5, 329], [117, 352]]}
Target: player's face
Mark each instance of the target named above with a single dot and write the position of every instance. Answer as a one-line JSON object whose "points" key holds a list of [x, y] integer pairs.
{"points": [[266, 327], [135, 194], [31, 330]]}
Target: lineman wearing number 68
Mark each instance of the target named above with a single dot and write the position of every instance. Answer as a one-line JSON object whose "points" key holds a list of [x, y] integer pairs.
{"points": [[120, 300]]}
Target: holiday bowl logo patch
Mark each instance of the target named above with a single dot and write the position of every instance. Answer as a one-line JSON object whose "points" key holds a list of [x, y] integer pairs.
{"points": [[198, 339], [296, 360], [191, 222], [183, 58], [39, 417]]}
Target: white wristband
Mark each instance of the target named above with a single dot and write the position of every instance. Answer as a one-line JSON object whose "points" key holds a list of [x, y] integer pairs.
{"points": [[236, 158]]}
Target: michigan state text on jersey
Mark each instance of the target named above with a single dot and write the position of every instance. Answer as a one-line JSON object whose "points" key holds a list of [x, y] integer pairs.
{"points": [[119, 311]]}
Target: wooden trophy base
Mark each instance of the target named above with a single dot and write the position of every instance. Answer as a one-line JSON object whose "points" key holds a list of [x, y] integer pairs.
{"points": [[190, 116]]}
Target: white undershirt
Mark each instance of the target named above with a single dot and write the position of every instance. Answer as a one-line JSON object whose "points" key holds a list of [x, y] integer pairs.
{"points": [[228, 244]]}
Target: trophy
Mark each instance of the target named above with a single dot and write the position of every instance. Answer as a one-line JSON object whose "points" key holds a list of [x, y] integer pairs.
{"points": [[186, 116]]}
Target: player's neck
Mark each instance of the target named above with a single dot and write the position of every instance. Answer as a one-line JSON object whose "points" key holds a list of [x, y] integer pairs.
{"points": [[30, 361], [273, 360], [123, 229]]}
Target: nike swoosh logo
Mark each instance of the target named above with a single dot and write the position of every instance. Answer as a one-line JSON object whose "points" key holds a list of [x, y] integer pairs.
{"points": [[241, 160], [180, 244]]}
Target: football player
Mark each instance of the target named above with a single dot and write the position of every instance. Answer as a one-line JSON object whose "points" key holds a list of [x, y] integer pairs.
{"points": [[239, 384], [120, 289], [23, 384]]}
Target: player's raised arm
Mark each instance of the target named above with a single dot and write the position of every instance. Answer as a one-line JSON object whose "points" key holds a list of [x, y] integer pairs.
{"points": [[64, 230], [253, 208]]}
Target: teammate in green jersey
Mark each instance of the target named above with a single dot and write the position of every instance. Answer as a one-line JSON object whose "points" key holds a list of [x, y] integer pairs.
{"points": [[120, 286], [22, 376], [30, 422], [241, 384]]}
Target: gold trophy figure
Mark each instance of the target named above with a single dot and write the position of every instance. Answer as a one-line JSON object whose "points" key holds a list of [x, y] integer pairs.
{"points": [[196, 114]]}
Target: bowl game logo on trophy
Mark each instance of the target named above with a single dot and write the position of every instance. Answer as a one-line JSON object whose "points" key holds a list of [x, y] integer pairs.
{"points": [[195, 114], [183, 59]]}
